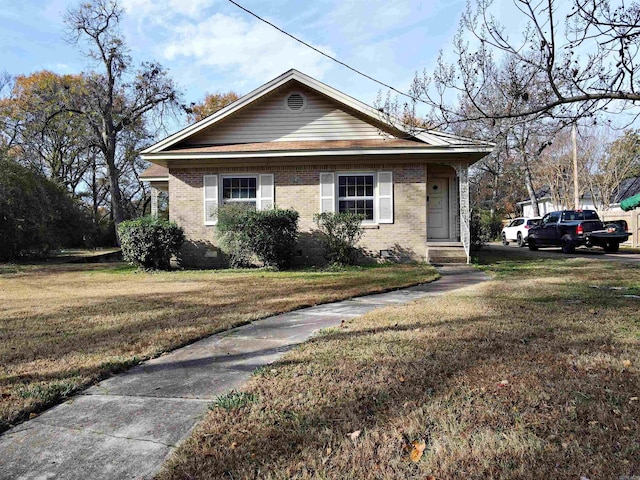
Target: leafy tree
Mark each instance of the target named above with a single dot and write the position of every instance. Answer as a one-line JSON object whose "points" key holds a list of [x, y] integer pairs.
{"points": [[212, 103], [118, 98], [566, 73], [44, 136], [36, 215]]}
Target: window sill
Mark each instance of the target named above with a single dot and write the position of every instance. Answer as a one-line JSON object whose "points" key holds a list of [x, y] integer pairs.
{"points": [[370, 226]]}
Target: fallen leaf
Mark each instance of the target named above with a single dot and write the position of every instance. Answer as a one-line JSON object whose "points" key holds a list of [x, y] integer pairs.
{"points": [[401, 379], [417, 450], [234, 445], [32, 415], [633, 399], [354, 435], [503, 383], [329, 450], [626, 363]]}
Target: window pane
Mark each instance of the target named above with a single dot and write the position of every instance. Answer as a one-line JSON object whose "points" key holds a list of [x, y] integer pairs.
{"points": [[359, 207], [239, 189]]}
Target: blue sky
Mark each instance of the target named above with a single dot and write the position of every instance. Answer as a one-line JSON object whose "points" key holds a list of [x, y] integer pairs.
{"points": [[211, 45]]}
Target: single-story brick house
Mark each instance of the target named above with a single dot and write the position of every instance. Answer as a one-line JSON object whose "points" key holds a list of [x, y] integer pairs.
{"points": [[298, 143]]}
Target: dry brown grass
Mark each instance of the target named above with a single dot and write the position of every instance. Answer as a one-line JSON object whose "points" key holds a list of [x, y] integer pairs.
{"points": [[63, 327], [532, 375]]}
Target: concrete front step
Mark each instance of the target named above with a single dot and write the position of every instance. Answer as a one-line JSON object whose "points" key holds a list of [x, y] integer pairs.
{"points": [[447, 253]]}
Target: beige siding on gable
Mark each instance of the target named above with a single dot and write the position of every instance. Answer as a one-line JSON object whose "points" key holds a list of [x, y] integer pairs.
{"points": [[271, 121]]}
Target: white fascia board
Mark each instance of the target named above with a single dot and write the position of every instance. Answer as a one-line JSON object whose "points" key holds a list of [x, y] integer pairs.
{"points": [[154, 179], [313, 153]]}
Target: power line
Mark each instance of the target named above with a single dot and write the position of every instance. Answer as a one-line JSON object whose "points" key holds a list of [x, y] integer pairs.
{"points": [[326, 54]]}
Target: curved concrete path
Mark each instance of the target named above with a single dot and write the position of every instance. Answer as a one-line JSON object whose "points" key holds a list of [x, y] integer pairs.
{"points": [[126, 426]]}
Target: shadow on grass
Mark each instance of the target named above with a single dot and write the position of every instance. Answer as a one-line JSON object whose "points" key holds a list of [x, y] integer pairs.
{"points": [[439, 381], [110, 332]]}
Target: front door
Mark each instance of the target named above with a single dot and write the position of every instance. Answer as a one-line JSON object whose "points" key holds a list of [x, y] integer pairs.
{"points": [[438, 208]]}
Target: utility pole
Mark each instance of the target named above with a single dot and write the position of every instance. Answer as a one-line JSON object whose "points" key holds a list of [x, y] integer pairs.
{"points": [[576, 194]]}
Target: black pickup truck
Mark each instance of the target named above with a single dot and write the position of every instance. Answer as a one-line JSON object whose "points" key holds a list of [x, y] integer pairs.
{"points": [[573, 228]]}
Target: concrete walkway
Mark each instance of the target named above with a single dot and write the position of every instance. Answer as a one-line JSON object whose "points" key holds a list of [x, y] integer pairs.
{"points": [[127, 426]]}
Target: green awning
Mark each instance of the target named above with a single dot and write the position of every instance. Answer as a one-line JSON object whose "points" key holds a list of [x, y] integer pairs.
{"points": [[630, 203]]}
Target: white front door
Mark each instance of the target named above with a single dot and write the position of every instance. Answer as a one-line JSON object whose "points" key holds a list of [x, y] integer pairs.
{"points": [[438, 208]]}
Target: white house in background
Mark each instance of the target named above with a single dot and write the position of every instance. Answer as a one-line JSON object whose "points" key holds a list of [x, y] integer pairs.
{"points": [[628, 188], [546, 203]]}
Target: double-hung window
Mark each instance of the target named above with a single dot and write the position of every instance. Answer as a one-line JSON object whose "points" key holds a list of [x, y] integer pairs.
{"points": [[369, 194], [356, 194], [254, 191], [243, 190]]}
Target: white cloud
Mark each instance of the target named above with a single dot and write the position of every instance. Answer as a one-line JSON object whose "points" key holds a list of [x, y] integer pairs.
{"points": [[158, 10], [252, 50]]}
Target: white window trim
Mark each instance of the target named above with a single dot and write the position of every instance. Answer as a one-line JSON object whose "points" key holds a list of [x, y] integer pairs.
{"points": [[261, 194], [374, 221], [221, 200]]}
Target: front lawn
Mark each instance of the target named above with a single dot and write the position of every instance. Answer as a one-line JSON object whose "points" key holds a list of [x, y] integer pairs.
{"points": [[63, 327], [534, 374]]}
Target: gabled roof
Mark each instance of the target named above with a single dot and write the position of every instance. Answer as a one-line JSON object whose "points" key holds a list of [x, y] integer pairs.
{"points": [[155, 173], [428, 138], [628, 188]]}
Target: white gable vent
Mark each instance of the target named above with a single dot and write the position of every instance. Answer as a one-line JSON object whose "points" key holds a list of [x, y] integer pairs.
{"points": [[295, 102]]}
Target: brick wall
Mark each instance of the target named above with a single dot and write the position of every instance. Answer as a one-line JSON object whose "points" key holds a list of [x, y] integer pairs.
{"points": [[298, 187]]}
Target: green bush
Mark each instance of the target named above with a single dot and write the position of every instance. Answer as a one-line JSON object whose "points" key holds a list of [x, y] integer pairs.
{"points": [[485, 228], [270, 236], [150, 242], [36, 214], [341, 232], [232, 234]]}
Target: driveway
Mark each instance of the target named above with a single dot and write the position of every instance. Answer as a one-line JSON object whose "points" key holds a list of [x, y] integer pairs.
{"points": [[555, 252]]}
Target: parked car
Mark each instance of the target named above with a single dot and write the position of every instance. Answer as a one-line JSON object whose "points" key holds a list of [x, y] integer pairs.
{"points": [[569, 229], [518, 230]]}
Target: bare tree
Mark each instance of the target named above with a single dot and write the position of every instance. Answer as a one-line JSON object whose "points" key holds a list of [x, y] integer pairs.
{"points": [[118, 97], [609, 164], [573, 60]]}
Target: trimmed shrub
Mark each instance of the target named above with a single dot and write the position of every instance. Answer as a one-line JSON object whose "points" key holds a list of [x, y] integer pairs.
{"points": [[36, 214], [232, 234], [484, 228], [341, 232], [150, 242], [269, 236]]}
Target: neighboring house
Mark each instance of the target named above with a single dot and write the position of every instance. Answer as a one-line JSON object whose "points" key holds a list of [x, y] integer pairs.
{"points": [[298, 143], [547, 204], [627, 188]]}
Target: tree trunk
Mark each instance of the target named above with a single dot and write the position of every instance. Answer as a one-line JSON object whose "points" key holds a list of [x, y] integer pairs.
{"points": [[494, 195], [109, 151], [528, 181]]}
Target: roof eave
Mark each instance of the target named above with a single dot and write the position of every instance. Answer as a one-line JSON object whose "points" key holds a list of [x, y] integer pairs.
{"points": [[161, 158]]}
